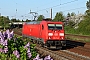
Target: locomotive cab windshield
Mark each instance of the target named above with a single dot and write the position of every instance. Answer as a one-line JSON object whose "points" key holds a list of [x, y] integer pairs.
{"points": [[55, 26]]}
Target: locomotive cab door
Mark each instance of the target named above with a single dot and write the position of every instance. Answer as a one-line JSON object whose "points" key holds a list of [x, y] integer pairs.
{"points": [[41, 31]]}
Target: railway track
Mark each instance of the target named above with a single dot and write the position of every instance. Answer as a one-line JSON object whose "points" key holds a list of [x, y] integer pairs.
{"points": [[78, 38], [81, 36], [81, 50], [61, 54]]}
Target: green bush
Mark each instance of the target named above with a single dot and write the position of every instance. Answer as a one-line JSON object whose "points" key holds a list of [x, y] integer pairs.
{"points": [[84, 27], [69, 29]]}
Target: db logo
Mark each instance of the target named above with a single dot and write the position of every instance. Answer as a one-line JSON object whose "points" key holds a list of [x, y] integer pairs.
{"points": [[56, 34]]}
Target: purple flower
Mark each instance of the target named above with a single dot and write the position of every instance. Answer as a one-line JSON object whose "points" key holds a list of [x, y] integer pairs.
{"points": [[27, 45], [11, 34], [1, 40], [8, 33], [37, 57], [48, 58], [5, 43], [1, 50], [16, 53], [28, 51], [5, 49], [0, 33], [5, 35], [29, 55]]}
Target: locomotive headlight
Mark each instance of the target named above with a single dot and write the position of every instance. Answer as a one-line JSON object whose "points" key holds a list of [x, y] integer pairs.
{"points": [[61, 34], [50, 34], [62, 37]]}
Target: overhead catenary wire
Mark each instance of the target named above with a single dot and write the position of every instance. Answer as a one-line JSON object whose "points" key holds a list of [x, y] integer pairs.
{"points": [[74, 9], [58, 5], [68, 10]]}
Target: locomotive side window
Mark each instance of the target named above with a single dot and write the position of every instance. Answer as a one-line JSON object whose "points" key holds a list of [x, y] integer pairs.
{"points": [[59, 26]]}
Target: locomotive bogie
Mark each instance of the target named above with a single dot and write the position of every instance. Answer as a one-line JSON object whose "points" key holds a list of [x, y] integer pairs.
{"points": [[55, 44]]}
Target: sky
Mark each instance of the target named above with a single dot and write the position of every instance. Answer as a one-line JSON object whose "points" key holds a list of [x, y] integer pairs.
{"points": [[20, 9]]}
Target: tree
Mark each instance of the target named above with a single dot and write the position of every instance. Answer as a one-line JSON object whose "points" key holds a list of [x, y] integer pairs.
{"points": [[7, 18], [68, 15], [59, 17], [88, 4], [28, 20], [73, 14], [4, 21], [18, 20], [22, 20], [40, 17], [87, 13], [13, 20]]}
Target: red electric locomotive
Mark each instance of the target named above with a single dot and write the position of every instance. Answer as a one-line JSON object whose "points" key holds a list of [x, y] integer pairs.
{"points": [[48, 33]]}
